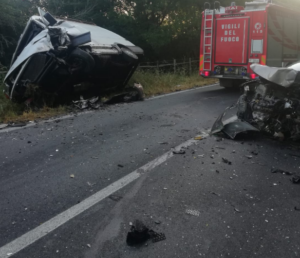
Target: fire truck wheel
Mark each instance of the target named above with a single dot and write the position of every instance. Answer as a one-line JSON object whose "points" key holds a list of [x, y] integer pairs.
{"points": [[226, 83], [230, 83]]}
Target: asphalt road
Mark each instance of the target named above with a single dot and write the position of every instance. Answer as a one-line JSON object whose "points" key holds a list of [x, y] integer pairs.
{"points": [[240, 210]]}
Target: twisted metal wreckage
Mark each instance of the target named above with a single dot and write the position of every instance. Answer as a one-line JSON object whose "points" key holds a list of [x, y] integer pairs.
{"points": [[57, 54], [269, 104]]}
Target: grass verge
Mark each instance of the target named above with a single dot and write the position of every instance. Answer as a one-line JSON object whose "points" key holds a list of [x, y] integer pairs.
{"points": [[12, 112], [154, 83]]}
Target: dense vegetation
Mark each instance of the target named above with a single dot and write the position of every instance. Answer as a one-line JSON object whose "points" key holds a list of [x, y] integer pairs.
{"points": [[165, 29]]}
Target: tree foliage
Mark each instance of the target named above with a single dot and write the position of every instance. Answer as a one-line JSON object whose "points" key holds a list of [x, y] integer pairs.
{"points": [[165, 29]]}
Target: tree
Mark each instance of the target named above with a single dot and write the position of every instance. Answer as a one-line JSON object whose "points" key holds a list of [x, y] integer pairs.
{"points": [[14, 15]]}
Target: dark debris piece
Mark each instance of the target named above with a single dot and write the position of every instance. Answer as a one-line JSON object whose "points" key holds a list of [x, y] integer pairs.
{"points": [[296, 180], [139, 234], [17, 124], [178, 152], [92, 103], [115, 198], [226, 161], [296, 208], [277, 170]]}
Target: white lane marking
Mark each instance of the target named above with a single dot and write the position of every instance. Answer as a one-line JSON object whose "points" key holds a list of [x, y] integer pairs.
{"points": [[10, 129], [32, 236], [178, 92]]}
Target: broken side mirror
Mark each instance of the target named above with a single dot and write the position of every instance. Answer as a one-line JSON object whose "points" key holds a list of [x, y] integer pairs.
{"points": [[47, 17]]}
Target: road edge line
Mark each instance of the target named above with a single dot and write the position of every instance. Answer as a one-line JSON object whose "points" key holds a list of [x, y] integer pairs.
{"points": [[47, 227]]}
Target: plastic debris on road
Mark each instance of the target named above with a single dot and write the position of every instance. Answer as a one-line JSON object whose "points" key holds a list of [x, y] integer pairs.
{"points": [[178, 152], [193, 212]]}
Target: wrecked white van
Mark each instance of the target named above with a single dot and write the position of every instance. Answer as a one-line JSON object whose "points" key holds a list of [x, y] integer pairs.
{"points": [[56, 54]]}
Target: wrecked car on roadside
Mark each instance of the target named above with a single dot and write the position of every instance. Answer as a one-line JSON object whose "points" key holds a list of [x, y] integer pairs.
{"points": [[56, 54], [270, 104]]}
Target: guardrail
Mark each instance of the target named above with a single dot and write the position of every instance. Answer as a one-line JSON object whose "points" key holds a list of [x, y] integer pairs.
{"points": [[160, 64], [163, 64]]}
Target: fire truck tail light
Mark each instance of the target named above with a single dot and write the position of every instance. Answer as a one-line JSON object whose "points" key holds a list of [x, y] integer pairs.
{"points": [[252, 76], [206, 73]]}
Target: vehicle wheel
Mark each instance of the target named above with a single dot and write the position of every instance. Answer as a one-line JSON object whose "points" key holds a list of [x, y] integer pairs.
{"points": [[82, 61], [230, 83], [226, 83]]}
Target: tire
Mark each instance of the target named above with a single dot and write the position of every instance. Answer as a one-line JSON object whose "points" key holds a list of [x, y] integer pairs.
{"points": [[81, 61], [226, 83], [230, 83]]}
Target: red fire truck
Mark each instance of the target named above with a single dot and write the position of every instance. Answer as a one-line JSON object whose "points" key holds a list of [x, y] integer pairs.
{"points": [[235, 37]]}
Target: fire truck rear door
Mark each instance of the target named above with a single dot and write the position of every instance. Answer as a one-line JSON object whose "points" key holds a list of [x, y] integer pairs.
{"points": [[231, 45]]}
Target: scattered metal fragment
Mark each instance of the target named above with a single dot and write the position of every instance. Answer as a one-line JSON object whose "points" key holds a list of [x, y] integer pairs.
{"points": [[198, 138], [284, 172], [226, 161], [237, 210], [215, 194], [162, 143], [249, 156], [91, 103], [120, 166], [193, 212], [72, 176]]}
